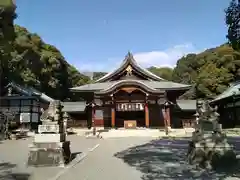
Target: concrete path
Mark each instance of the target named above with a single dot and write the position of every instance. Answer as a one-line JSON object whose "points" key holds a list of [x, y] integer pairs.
{"points": [[14, 155], [128, 158], [142, 159], [102, 163]]}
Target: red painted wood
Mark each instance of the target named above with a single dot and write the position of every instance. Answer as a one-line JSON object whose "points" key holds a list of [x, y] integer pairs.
{"points": [[99, 122], [113, 117], [146, 115]]}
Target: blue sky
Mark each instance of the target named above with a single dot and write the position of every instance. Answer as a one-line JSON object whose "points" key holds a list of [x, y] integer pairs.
{"points": [[95, 35]]}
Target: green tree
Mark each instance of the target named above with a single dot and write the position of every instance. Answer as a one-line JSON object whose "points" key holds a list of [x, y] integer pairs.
{"points": [[232, 20], [7, 35], [209, 72], [42, 66], [98, 75], [163, 72]]}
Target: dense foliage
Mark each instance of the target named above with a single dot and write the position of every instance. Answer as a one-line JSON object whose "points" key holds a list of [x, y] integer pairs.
{"points": [[233, 23], [98, 75], [40, 65], [7, 35], [163, 72], [210, 71]]}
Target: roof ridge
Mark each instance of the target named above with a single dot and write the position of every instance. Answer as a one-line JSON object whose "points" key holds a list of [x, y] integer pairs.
{"points": [[234, 83], [129, 58]]}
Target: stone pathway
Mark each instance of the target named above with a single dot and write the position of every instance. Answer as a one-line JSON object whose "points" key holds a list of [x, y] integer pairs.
{"points": [[131, 158], [102, 163], [14, 154]]}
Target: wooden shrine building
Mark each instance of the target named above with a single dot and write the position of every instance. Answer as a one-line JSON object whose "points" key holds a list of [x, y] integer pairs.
{"points": [[229, 105], [25, 103], [131, 96]]}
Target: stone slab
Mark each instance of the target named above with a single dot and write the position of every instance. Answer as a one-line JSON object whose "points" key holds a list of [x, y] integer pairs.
{"points": [[45, 157], [45, 138], [46, 122], [48, 128], [46, 145], [49, 154]]}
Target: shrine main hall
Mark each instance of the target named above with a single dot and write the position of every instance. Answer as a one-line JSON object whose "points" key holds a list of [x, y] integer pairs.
{"points": [[130, 96]]}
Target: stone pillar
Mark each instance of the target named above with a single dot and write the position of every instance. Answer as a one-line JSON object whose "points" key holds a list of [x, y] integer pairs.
{"points": [[146, 115], [93, 119], [113, 117]]}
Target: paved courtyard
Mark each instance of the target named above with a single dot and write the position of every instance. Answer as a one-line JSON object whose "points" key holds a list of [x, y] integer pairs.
{"points": [[133, 158]]}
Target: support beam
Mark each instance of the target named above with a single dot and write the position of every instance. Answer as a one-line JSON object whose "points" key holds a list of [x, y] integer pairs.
{"points": [[146, 115], [113, 117]]}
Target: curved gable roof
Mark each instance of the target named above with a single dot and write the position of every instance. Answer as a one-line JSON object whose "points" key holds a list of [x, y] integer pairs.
{"points": [[117, 84], [129, 60]]}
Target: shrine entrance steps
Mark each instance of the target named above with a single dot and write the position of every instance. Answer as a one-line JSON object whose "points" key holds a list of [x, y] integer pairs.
{"points": [[144, 132], [139, 132]]}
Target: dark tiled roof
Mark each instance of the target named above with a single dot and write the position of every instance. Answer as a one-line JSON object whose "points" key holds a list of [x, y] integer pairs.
{"points": [[29, 91], [79, 106], [234, 89], [189, 105], [162, 85]]}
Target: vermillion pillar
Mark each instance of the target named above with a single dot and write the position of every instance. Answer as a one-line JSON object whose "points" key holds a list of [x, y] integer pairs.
{"points": [[113, 117], [146, 115]]}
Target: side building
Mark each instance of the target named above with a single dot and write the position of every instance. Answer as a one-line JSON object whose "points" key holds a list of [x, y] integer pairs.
{"points": [[229, 106], [131, 96], [24, 103]]}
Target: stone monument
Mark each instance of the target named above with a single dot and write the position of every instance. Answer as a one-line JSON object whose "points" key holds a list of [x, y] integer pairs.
{"points": [[50, 147], [209, 147]]}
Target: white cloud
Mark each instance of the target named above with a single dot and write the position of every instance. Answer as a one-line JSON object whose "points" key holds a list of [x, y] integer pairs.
{"points": [[166, 57], [159, 58]]}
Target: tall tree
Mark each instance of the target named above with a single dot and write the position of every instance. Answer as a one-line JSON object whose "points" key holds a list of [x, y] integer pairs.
{"points": [[7, 35], [232, 20], [163, 72]]}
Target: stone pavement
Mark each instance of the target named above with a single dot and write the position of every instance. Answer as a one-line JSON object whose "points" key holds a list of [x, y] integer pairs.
{"points": [[143, 159], [14, 155], [102, 164], [131, 158]]}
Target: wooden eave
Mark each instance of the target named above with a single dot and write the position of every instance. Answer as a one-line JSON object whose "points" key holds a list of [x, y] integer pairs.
{"points": [[132, 83]]}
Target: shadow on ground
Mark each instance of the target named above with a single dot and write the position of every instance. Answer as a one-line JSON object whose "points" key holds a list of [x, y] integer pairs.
{"points": [[166, 159], [7, 174], [74, 155]]}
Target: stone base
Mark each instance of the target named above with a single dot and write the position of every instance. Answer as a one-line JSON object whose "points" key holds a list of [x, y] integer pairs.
{"points": [[49, 154], [211, 151]]}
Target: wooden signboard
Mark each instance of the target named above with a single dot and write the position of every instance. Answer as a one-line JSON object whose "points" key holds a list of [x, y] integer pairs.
{"points": [[25, 117], [130, 124]]}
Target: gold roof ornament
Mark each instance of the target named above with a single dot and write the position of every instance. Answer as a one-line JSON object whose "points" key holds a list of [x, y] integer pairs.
{"points": [[129, 70]]}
